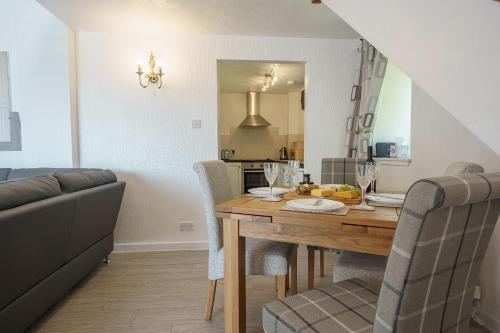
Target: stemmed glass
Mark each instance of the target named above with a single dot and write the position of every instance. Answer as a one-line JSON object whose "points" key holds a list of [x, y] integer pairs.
{"points": [[373, 173], [271, 172], [363, 179], [293, 169]]}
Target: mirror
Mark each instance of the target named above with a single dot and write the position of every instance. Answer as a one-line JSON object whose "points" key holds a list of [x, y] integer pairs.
{"points": [[10, 126]]}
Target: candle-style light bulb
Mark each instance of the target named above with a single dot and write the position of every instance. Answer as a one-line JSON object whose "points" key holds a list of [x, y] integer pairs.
{"points": [[139, 63]]}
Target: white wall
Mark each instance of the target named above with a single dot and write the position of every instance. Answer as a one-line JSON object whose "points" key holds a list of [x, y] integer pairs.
{"points": [[449, 48], [146, 135], [439, 139], [37, 43]]}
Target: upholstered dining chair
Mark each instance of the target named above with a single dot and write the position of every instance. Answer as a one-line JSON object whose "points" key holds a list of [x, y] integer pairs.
{"points": [[371, 267], [442, 235], [338, 170], [262, 257]]}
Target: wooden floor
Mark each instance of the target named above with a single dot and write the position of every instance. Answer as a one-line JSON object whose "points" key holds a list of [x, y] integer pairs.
{"points": [[160, 292]]}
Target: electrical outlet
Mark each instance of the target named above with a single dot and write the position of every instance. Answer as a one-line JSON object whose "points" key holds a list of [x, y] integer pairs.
{"points": [[477, 293], [196, 123], [186, 226]]}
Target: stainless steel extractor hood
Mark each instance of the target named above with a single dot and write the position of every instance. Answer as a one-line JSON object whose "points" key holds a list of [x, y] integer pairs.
{"points": [[254, 119]]}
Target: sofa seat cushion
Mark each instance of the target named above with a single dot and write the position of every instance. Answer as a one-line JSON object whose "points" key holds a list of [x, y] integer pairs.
{"points": [[72, 181], [14, 193], [344, 307]]}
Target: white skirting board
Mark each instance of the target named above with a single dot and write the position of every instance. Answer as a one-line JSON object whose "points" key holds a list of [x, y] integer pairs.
{"points": [[151, 247], [490, 323]]}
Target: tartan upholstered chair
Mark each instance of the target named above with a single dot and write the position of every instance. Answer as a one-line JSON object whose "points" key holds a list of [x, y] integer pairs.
{"points": [[263, 257], [442, 235], [338, 170], [371, 267]]}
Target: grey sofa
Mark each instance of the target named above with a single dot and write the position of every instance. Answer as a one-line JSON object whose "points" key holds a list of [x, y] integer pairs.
{"points": [[56, 225]]}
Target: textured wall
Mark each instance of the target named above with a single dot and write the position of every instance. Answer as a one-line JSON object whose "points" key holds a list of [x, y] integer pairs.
{"points": [[439, 139], [146, 135], [449, 48], [39, 71]]}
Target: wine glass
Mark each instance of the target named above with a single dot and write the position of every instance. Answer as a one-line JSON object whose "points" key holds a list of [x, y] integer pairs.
{"points": [[271, 172], [363, 179], [293, 169], [373, 173]]}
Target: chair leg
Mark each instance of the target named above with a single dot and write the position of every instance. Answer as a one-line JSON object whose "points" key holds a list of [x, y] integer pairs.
{"points": [[321, 263], [293, 274], [310, 269], [212, 286], [281, 286], [287, 282]]}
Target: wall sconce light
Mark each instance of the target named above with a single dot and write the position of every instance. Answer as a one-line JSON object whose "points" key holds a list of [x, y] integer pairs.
{"points": [[153, 76]]}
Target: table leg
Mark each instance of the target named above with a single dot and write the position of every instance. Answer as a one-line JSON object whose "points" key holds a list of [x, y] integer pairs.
{"points": [[234, 278], [310, 268]]}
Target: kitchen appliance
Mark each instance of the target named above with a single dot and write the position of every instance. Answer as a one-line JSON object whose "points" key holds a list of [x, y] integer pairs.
{"points": [[252, 175], [226, 154], [283, 153], [253, 118]]}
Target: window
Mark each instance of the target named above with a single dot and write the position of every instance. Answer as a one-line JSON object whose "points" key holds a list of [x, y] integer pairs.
{"points": [[10, 127], [393, 120]]}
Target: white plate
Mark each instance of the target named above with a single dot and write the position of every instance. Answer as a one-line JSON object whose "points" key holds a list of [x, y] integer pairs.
{"points": [[307, 204], [266, 191]]}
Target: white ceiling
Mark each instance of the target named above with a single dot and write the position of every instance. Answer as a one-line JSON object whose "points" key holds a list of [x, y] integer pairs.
{"points": [[291, 18], [242, 76]]}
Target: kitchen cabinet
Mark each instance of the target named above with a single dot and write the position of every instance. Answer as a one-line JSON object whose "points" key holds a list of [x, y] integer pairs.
{"points": [[234, 171]]}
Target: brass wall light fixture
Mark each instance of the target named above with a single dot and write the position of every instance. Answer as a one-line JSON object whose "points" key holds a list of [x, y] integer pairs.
{"points": [[153, 76]]}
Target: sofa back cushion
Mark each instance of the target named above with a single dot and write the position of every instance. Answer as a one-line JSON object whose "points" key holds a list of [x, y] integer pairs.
{"points": [[35, 172], [29, 173], [4, 172], [19, 192], [95, 216], [72, 181]]}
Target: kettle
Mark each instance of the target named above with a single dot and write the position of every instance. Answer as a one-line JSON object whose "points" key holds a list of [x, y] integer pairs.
{"points": [[226, 154], [283, 153]]}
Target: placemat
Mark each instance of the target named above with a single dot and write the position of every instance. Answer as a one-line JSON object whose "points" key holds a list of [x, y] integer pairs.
{"points": [[341, 211]]}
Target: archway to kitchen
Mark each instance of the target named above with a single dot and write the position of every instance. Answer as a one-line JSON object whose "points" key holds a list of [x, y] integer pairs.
{"points": [[260, 118]]}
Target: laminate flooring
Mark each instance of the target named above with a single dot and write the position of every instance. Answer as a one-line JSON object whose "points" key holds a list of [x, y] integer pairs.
{"points": [[152, 292]]}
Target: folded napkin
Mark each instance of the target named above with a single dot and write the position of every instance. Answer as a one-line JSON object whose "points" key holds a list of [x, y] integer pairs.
{"points": [[341, 211], [386, 200]]}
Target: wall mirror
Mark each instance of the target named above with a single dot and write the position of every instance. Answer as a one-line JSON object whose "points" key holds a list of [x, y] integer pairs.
{"points": [[10, 127]]}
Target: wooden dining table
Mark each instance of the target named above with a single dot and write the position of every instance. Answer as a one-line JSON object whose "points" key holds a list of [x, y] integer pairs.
{"points": [[359, 231]]}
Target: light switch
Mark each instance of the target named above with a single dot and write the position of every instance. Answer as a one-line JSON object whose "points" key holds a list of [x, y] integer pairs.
{"points": [[196, 123]]}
